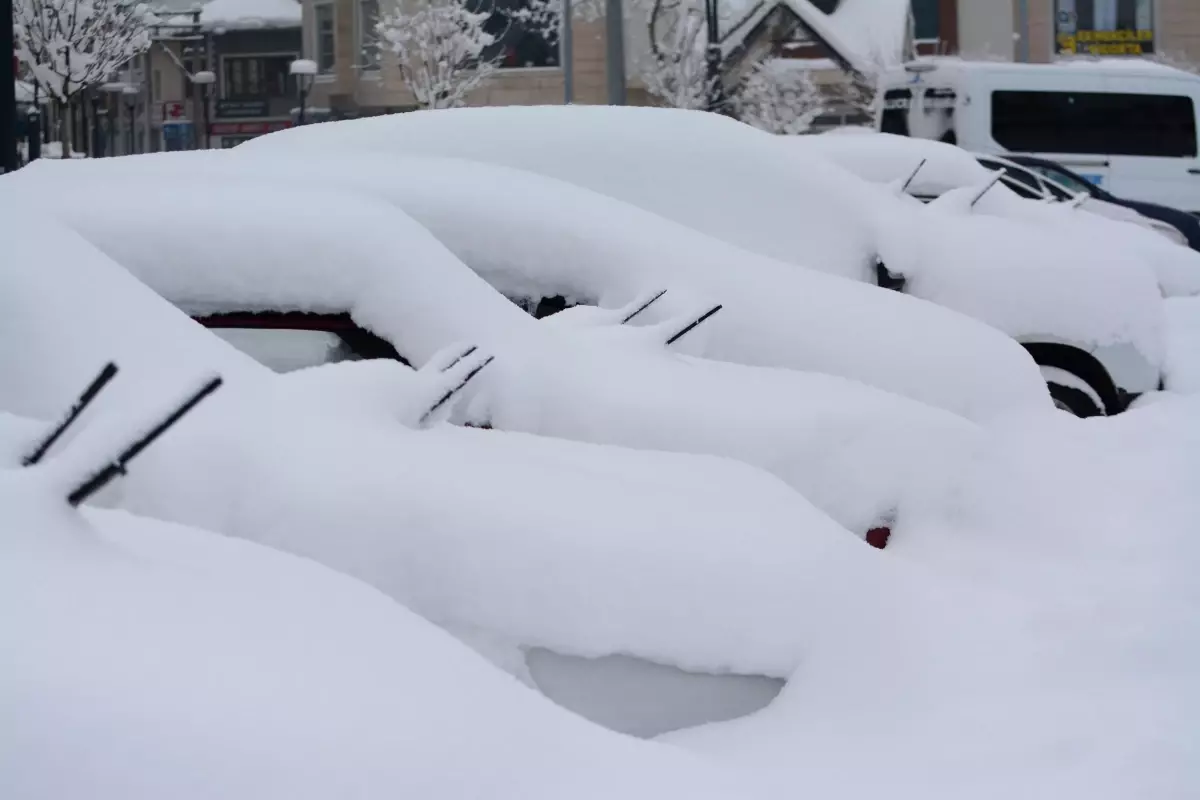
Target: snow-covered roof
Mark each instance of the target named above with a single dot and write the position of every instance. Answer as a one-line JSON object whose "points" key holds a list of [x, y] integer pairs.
{"points": [[232, 14], [246, 14], [868, 35], [1109, 66]]}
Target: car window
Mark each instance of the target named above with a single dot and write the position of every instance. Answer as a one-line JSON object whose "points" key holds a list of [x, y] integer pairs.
{"points": [[1097, 123], [1075, 185], [287, 349]]}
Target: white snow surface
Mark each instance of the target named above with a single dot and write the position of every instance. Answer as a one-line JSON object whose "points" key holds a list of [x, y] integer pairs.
{"points": [[460, 525], [146, 659], [247, 14], [890, 159], [860, 454], [1080, 685], [872, 35], [770, 197], [1183, 345]]}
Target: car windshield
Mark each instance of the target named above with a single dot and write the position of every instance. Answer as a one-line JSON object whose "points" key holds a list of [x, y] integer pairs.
{"points": [[1070, 182]]}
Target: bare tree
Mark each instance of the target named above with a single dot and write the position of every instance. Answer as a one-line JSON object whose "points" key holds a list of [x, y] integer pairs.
{"points": [[68, 46], [442, 49]]}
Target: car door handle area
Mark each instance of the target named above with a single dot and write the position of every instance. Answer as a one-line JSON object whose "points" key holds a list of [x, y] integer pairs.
{"points": [[1194, 171]]}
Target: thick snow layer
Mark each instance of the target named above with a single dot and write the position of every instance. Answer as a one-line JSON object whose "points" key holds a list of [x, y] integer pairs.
{"points": [[1183, 345], [861, 455], [246, 14], [152, 660], [58, 338], [1077, 681], [453, 522], [890, 159], [250, 246], [562, 239], [1104, 298], [871, 35], [769, 196], [586, 551], [633, 154]]}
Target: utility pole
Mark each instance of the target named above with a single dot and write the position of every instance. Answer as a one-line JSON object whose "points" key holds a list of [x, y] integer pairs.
{"points": [[715, 95], [1023, 31], [614, 14], [8, 89], [567, 53]]}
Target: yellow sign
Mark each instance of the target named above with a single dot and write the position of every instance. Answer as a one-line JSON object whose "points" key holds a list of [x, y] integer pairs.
{"points": [[1107, 43]]}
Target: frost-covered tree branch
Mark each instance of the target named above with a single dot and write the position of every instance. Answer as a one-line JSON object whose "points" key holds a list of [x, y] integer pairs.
{"points": [[69, 45], [779, 97], [441, 48], [675, 71]]}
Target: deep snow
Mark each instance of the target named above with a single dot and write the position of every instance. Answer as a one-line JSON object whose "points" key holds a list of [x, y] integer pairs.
{"points": [[563, 239]]}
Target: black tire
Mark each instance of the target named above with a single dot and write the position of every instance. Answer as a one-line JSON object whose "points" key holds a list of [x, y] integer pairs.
{"points": [[1075, 401]]}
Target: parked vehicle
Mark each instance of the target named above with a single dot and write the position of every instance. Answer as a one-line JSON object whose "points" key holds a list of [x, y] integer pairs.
{"points": [[1129, 127], [521, 546], [1185, 225], [771, 197], [254, 247]]}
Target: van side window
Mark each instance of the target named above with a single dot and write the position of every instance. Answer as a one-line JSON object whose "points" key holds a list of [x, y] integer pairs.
{"points": [[1096, 123], [896, 103]]}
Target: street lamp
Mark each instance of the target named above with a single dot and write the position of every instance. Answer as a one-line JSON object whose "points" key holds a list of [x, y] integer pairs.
{"points": [[204, 79], [303, 70], [131, 94]]}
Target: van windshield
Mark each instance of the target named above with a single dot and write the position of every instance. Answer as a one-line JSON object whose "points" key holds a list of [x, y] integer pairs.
{"points": [[1097, 123]]}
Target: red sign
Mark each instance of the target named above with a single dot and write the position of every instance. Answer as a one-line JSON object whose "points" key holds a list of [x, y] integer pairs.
{"points": [[246, 128], [173, 111]]}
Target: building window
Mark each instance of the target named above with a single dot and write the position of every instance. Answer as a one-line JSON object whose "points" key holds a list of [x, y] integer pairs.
{"points": [[520, 42], [1095, 123], [926, 20], [256, 77], [325, 38], [1104, 27], [368, 40]]}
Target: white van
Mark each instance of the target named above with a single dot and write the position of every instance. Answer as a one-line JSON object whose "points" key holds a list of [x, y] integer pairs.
{"points": [[1128, 126]]}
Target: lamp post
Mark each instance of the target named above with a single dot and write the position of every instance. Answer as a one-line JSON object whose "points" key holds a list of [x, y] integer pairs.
{"points": [[131, 94], [203, 80], [303, 70], [714, 93]]}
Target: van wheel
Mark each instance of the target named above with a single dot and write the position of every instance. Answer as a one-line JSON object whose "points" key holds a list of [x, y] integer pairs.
{"points": [[1074, 401]]}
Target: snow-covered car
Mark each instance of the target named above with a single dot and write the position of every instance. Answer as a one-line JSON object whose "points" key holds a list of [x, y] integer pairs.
{"points": [[481, 532], [769, 196], [564, 244], [865, 457], [148, 659], [927, 169]]}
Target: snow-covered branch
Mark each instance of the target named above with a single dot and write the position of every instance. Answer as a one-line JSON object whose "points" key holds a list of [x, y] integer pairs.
{"points": [[69, 45], [675, 72], [778, 97], [441, 48]]}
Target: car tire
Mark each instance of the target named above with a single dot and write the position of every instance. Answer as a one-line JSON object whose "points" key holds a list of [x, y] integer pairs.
{"points": [[1074, 401]]}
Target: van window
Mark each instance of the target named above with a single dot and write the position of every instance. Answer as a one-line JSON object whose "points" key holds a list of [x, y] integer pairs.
{"points": [[1098, 123], [896, 103]]}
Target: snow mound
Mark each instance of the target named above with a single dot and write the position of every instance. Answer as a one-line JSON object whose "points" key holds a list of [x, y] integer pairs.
{"points": [[1183, 345], [163, 661], [250, 14]]}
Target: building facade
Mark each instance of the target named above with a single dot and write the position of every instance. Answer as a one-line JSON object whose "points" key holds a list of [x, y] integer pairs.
{"points": [[358, 78]]}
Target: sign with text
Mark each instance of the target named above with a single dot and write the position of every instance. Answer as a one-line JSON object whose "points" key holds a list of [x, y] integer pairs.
{"points": [[1104, 27], [233, 109]]}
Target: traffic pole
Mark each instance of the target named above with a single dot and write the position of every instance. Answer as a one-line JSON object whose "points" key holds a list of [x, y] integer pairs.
{"points": [[8, 90]]}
